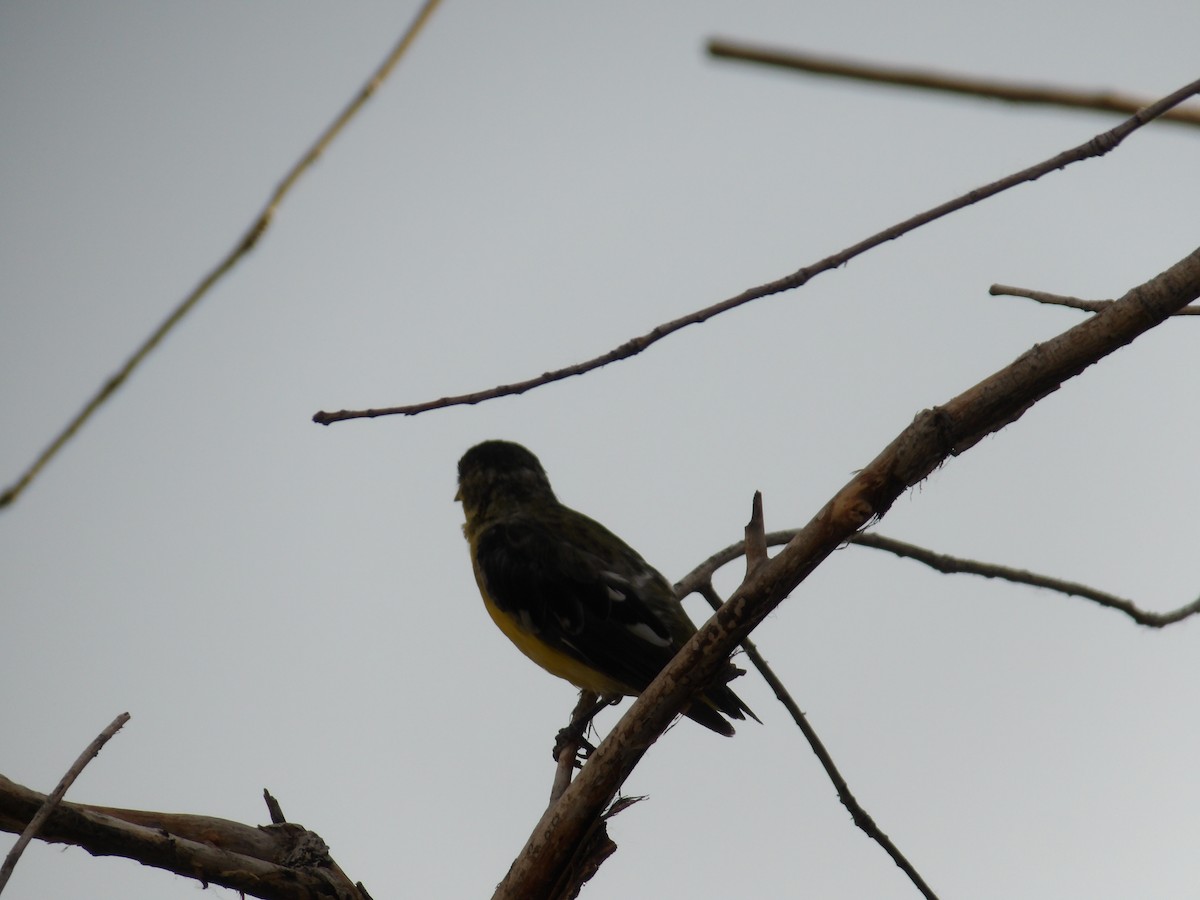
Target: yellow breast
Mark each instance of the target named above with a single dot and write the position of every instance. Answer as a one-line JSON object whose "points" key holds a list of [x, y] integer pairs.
{"points": [[552, 660]]}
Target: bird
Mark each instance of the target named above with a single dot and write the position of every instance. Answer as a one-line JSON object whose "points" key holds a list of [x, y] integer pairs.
{"points": [[570, 594]]}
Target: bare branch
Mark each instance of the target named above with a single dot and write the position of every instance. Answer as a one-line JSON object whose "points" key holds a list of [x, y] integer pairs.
{"points": [[954, 565], [860, 816], [1097, 146], [1010, 91], [933, 437], [694, 581], [1007, 290], [247, 243], [55, 797]]}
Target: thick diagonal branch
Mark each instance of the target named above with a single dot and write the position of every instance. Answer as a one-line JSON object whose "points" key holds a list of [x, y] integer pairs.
{"points": [[934, 436]]}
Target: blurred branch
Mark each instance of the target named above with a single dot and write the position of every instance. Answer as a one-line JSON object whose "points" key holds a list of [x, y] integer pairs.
{"points": [[1097, 146], [55, 797], [274, 862], [934, 436], [1007, 290], [1009, 91], [247, 243]]}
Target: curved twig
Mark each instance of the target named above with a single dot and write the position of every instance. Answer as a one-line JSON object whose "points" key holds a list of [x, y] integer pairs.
{"points": [[956, 565], [693, 581]]}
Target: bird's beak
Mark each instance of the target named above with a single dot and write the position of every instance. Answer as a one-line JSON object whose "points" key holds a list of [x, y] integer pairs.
{"points": [[458, 496]]}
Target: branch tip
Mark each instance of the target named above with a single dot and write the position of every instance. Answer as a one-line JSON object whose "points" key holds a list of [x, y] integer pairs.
{"points": [[756, 539]]}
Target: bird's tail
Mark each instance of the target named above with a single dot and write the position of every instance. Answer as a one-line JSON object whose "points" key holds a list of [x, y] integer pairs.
{"points": [[717, 701]]}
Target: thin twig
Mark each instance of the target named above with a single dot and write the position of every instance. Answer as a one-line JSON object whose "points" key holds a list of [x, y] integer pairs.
{"points": [[693, 581], [1010, 91], [1097, 146], [1007, 290], [55, 797], [956, 565], [240, 249], [860, 816]]}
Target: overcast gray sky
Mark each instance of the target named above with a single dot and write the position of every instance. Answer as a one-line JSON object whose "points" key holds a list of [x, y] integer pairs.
{"points": [[288, 606]]}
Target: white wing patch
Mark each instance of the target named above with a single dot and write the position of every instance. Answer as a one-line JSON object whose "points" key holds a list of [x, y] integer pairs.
{"points": [[647, 634]]}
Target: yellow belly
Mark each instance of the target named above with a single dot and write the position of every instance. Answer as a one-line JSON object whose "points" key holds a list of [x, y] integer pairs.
{"points": [[553, 661]]}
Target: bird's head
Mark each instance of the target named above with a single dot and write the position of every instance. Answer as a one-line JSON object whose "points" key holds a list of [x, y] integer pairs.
{"points": [[496, 475]]}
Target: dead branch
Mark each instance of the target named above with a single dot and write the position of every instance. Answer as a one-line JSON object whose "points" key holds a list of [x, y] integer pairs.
{"points": [[274, 862]]}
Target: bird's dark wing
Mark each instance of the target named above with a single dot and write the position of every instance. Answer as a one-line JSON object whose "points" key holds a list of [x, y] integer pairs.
{"points": [[586, 601]]}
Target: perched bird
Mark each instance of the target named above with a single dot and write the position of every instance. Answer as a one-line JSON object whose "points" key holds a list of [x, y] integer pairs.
{"points": [[573, 597]]}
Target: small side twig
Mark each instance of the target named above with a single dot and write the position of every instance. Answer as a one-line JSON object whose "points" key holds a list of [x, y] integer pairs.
{"points": [[756, 537], [55, 797], [1007, 290], [1009, 91], [274, 809], [953, 565], [597, 846], [566, 747], [693, 581]]}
